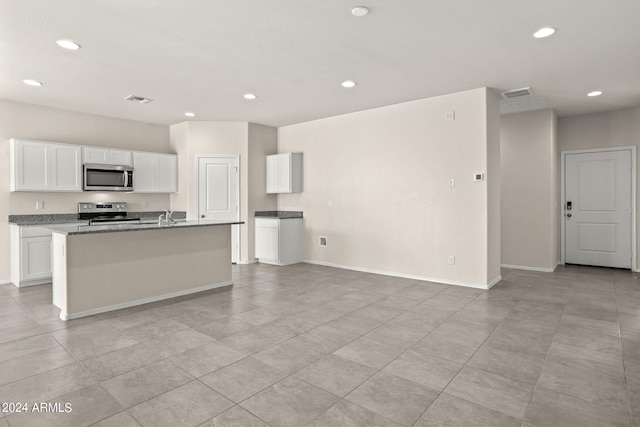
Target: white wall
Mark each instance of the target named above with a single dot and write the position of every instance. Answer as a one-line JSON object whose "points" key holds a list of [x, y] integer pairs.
{"points": [[616, 128], [189, 139], [386, 171], [252, 142], [262, 142], [494, 179], [530, 188], [19, 120]]}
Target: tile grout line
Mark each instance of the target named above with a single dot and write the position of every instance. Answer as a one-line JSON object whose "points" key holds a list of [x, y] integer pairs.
{"points": [[292, 375], [624, 362], [464, 364], [545, 361]]}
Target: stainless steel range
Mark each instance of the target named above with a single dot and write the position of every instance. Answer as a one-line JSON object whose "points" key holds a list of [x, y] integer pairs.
{"points": [[105, 213]]}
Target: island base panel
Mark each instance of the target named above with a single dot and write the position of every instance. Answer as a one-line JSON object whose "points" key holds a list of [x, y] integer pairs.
{"points": [[94, 273]]}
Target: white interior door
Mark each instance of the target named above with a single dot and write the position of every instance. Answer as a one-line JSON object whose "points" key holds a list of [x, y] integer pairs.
{"points": [[598, 208], [219, 194]]}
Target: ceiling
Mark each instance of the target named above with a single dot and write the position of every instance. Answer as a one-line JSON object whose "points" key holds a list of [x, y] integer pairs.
{"points": [[203, 55]]}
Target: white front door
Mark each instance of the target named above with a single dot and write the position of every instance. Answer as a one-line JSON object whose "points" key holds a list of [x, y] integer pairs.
{"points": [[218, 194], [598, 209]]}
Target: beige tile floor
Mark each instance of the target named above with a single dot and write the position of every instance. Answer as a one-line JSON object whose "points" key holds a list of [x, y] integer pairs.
{"points": [[310, 345]]}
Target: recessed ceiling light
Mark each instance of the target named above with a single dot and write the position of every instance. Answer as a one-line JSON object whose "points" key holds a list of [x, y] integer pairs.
{"points": [[189, 114], [249, 96], [360, 11], [544, 32], [68, 44], [595, 93], [348, 83], [32, 82]]}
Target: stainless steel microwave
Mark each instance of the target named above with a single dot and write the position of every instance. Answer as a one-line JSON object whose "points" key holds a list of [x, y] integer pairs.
{"points": [[99, 177]]}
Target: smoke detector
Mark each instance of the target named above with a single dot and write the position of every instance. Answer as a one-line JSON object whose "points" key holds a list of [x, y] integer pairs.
{"points": [[138, 99], [517, 93]]}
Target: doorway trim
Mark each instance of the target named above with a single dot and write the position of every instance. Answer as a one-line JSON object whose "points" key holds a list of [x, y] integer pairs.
{"points": [[563, 154], [236, 250]]}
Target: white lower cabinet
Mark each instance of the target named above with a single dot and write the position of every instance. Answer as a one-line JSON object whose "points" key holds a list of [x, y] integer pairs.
{"points": [[30, 255], [279, 241]]}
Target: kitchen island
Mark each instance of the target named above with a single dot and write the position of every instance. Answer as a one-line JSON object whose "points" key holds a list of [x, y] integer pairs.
{"points": [[101, 268]]}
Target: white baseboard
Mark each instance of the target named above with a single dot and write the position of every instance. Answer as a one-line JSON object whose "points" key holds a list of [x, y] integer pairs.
{"points": [[34, 283], [253, 261], [66, 316], [529, 268], [5, 282], [494, 281], [407, 276]]}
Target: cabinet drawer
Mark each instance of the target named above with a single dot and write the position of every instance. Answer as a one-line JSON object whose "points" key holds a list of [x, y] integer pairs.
{"points": [[268, 222], [34, 232]]}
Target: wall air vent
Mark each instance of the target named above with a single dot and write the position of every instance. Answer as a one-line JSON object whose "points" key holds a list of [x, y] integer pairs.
{"points": [[524, 105], [517, 93], [138, 99]]}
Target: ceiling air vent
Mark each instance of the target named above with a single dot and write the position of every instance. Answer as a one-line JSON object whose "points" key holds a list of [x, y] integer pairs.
{"points": [[138, 99], [524, 105], [517, 93]]}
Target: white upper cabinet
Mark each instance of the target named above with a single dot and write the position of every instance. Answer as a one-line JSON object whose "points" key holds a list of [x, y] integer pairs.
{"points": [[45, 166], [106, 156], [272, 174], [155, 172], [284, 173]]}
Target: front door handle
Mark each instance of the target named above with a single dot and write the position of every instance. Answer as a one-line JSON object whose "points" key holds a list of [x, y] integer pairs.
{"points": [[568, 215]]}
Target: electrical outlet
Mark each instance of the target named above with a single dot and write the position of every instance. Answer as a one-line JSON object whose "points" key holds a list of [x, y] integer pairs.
{"points": [[145, 203], [451, 115], [452, 260], [330, 203], [452, 182], [40, 205]]}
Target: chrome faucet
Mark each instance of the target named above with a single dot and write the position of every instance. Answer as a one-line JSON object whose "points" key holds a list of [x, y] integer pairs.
{"points": [[165, 218]]}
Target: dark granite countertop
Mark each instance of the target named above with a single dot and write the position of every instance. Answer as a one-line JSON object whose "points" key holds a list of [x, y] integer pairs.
{"points": [[51, 219], [44, 219], [279, 214], [114, 228]]}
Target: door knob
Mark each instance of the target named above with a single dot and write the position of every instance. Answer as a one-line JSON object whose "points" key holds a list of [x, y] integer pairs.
{"points": [[201, 216], [568, 215]]}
